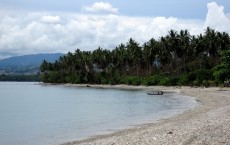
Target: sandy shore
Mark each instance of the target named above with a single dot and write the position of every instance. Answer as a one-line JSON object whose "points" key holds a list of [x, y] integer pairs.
{"points": [[209, 123]]}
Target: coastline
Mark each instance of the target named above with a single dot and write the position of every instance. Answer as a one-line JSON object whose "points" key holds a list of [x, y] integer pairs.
{"points": [[206, 124]]}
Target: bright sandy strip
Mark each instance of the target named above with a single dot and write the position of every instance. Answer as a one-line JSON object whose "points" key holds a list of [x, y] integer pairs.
{"points": [[209, 123]]}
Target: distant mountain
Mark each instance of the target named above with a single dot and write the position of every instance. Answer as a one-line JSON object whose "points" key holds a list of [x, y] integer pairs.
{"points": [[26, 63]]}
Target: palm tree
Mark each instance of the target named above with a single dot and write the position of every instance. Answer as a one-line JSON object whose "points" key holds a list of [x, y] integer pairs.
{"points": [[120, 58], [184, 43], [149, 54], [200, 54], [164, 53], [101, 58], [174, 48], [88, 66], [223, 41], [134, 55], [44, 66], [211, 42]]}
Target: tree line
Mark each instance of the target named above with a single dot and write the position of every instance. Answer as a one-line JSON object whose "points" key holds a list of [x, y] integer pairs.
{"points": [[20, 77], [178, 58]]}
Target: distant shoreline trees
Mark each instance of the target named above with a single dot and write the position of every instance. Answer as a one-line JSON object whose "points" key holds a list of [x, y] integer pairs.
{"points": [[175, 59], [20, 77]]}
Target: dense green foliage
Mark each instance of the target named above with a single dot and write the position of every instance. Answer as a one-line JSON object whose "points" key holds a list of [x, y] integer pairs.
{"points": [[175, 59], [20, 78], [222, 71]]}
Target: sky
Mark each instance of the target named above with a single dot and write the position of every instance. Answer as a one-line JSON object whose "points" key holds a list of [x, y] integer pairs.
{"points": [[41, 26]]}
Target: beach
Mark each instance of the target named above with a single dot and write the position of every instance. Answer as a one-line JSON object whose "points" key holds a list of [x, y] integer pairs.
{"points": [[208, 123]]}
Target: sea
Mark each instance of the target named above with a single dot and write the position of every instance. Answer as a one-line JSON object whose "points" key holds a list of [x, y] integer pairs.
{"points": [[32, 113]]}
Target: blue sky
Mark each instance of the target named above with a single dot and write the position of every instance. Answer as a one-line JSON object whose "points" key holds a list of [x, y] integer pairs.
{"points": [[46, 26], [193, 9]]}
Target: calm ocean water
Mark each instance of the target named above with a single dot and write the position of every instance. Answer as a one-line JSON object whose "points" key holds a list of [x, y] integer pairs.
{"points": [[34, 114]]}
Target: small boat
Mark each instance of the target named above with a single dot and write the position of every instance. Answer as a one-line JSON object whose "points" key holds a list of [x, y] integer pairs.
{"points": [[155, 93]]}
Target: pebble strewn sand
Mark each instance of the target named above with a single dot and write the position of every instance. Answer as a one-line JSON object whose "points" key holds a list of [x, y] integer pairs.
{"points": [[209, 123]]}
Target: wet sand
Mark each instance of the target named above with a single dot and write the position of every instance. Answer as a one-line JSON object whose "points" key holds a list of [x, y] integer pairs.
{"points": [[209, 123]]}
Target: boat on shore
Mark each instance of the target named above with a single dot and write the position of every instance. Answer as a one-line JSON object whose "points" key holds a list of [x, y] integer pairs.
{"points": [[155, 93]]}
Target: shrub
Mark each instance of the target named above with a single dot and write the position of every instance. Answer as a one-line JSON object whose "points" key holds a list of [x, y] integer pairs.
{"points": [[146, 81], [195, 83], [174, 81], [76, 80], [206, 83], [183, 80], [104, 81], [155, 80], [191, 77], [202, 75], [136, 82], [55, 77], [165, 81], [128, 80]]}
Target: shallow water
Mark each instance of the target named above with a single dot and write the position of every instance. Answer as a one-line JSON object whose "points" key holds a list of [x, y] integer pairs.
{"points": [[34, 114]]}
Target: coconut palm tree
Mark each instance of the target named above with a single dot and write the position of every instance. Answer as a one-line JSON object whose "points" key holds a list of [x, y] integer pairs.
{"points": [[174, 48], [163, 54], [211, 42], [184, 43], [120, 58], [134, 55], [149, 54]]}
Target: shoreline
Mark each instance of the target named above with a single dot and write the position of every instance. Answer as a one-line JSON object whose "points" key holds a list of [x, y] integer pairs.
{"points": [[207, 123]]}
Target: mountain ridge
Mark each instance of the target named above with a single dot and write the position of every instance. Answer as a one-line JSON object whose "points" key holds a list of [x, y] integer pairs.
{"points": [[26, 63], [28, 60]]}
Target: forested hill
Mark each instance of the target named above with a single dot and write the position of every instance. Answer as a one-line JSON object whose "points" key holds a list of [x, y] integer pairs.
{"points": [[28, 60], [175, 59]]}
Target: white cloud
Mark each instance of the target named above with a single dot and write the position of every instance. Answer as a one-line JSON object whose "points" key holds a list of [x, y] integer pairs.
{"points": [[43, 32], [228, 15], [50, 19], [216, 18], [100, 7]]}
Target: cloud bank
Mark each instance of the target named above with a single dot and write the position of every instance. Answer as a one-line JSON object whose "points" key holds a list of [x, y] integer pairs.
{"points": [[216, 18], [47, 32], [51, 19], [100, 7]]}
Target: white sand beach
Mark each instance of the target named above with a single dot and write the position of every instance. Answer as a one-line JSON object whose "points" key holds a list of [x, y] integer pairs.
{"points": [[209, 123]]}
